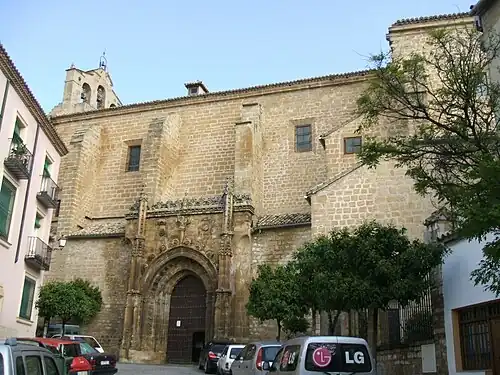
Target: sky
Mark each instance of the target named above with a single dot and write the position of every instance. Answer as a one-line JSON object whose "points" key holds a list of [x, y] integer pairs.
{"points": [[153, 47]]}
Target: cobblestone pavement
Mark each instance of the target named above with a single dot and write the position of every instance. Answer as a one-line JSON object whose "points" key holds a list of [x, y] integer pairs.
{"points": [[132, 369]]}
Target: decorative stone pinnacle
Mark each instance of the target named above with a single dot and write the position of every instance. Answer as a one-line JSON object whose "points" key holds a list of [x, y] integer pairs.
{"points": [[142, 195]]}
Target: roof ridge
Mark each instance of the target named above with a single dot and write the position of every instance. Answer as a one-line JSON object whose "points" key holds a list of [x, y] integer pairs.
{"points": [[425, 19], [334, 179], [194, 98]]}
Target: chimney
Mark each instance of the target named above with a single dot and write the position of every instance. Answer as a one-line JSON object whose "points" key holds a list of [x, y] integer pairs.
{"points": [[196, 88]]}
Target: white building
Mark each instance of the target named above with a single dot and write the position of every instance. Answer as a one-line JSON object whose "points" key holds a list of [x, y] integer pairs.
{"points": [[30, 154], [471, 314]]}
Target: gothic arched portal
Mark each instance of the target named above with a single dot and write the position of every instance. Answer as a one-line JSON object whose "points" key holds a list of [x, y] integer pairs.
{"points": [[187, 320]]}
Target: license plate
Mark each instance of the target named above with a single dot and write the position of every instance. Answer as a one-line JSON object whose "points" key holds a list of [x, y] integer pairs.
{"points": [[104, 363]]}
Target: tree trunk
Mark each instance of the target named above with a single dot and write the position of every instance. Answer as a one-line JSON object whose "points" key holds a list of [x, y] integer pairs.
{"points": [[63, 327], [332, 322], [278, 337]]}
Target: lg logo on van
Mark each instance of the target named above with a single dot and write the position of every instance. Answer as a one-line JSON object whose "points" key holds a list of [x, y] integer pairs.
{"points": [[358, 358]]}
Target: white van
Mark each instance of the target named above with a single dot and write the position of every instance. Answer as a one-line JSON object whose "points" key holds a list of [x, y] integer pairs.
{"points": [[320, 355]]}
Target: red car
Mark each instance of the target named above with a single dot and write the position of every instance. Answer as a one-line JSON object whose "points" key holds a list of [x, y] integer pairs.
{"points": [[70, 350]]}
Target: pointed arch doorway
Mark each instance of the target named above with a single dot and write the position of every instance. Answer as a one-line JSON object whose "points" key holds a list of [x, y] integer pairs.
{"points": [[187, 320]]}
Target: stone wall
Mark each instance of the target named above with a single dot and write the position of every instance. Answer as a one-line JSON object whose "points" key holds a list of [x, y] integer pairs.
{"points": [[273, 246], [101, 261]]}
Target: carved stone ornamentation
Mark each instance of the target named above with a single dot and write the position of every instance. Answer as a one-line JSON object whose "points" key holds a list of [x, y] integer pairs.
{"points": [[162, 232]]}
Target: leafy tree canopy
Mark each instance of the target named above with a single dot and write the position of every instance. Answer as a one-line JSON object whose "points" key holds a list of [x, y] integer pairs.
{"points": [[366, 267], [453, 148], [75, 300], [274, 295]]}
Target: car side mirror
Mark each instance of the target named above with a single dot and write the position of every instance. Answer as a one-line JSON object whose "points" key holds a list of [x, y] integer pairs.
{"points": [[265, 366]]}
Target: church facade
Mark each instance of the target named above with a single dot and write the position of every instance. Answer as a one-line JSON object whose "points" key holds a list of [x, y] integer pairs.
{"points": [[169, 206]]}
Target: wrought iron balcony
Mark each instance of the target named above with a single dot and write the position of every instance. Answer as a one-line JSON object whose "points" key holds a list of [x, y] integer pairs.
{"points": [[39, 254], [19, 160], [49, 191]]}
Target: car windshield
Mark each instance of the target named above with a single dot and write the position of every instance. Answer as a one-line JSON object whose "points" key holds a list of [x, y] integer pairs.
{"points": [[328, 358], [87, 349], [1, 365], [269, 353], [70, 350], [91, 341], [234, 352], [217, 348]]}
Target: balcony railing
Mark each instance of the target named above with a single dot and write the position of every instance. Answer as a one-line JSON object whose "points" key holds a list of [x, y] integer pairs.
{"points": [[39, 254], [19, 160], [48, 194]]}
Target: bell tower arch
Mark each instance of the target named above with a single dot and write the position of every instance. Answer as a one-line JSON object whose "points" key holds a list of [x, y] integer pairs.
{"points": [[87, 90]]}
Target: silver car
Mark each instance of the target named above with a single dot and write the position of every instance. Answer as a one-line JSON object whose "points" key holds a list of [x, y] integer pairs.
{"points": [[20, 359], [253, 356]]}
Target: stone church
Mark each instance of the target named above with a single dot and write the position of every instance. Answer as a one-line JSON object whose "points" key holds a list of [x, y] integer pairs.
{"points": [[169, 206]]}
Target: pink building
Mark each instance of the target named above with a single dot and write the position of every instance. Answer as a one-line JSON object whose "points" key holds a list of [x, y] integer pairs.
{"points": [[30, 154]]}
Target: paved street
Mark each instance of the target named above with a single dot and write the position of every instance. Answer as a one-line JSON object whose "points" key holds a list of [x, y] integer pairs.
{"points": [[130, 369]]}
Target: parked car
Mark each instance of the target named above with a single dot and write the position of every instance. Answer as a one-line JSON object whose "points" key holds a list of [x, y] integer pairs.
{"points": [[210, 354], [227, 357], [56, 329], [102, 363], [91, 340], [322, 355], [18, 357], [74, 362], [251, 359]]}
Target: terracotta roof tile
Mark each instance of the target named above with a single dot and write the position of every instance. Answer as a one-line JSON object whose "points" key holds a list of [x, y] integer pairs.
{"points": [[100, 229], [9, 69], [222, 94], [284, 220], [425, 19]]}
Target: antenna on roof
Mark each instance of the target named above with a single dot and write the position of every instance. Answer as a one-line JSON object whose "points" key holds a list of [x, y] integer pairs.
{"points": [[103, 62]]}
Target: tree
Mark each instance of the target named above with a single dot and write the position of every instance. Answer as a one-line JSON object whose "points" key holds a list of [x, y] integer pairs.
{"points": [[274, 295], [367, 268], [92, 292], [293, 325], [453, 149], [319, 266], [70, 301]]}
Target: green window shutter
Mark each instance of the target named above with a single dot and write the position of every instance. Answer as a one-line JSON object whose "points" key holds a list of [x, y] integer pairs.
{"points": [[38, 223], [27, 298], [17, 129], [7, 194], [46, 168]]}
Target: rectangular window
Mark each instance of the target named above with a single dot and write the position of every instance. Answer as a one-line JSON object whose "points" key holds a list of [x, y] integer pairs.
{"points": [[33, 365], [303, 138], [134, 158], [27, 298], [7, 197], [474, 329], [19, 366], [334, 358], [352, 145]]}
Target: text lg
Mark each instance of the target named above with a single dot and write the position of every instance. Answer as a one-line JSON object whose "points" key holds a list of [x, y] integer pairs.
{"points": [[358, 358]]}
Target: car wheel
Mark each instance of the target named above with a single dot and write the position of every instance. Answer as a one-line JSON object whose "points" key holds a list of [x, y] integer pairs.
{"points": [[205, 368]]}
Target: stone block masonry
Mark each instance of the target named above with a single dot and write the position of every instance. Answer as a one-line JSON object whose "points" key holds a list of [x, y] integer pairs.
{"points": [[225, 183]]}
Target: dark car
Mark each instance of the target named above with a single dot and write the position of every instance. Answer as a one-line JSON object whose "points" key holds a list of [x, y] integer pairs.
{"points": [[210, 355], [102, 363]]}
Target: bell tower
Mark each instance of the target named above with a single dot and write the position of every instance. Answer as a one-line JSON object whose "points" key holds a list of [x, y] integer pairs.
{"points": [[88, 90]]}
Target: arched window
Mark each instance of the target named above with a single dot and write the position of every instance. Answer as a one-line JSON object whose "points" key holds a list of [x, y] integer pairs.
{"points": [[101, 97], [86, 92], [112, 106]]}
